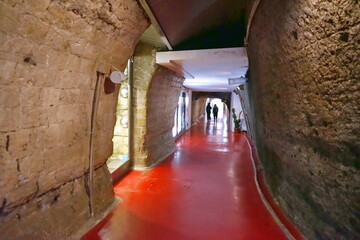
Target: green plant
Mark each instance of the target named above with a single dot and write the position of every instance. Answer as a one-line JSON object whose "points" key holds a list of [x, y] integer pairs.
{"points": [[236, 120]]}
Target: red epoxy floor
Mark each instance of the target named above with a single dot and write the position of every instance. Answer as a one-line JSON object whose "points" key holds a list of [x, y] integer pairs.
{"points": [[205, 191]]}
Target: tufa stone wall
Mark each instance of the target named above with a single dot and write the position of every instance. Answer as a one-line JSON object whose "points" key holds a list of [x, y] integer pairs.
{"points": [[50, 52], [144, 68], [155, 96], [305, 90], [162, 100]]}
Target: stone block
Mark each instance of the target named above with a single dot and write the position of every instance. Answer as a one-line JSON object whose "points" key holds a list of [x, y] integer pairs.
{"points": [[66, 79], [12, 3], [40, 55], [31, 117], [9, 18], [36, 6], [9, 97], [66, 113], [77, 46], [7, 69], [31, 96], [24, 190], [73, 63], [49, 136], [33, 28], [58, 39], [51, 97], [32, 165], [58, 60], [103, 189], [21, 143], [23, 75], [91, 51], [72, 131], [10, 118], [21, 45], [47, 180], [87, 66], [8, 173]]}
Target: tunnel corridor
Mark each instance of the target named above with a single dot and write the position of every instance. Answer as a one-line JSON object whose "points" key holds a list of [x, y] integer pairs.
{"points": [[205, 190], [102, 130]]}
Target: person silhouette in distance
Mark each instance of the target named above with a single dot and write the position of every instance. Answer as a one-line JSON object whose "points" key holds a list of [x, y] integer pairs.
{"points": [[215, 112], [208, 111]]}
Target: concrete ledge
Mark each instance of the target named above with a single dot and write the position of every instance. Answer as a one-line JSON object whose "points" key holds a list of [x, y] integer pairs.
{"points": [[138, 168]]}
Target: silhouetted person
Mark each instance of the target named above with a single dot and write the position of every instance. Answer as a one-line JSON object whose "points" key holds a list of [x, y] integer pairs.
{"points": [[215, 112], [208, 111]]}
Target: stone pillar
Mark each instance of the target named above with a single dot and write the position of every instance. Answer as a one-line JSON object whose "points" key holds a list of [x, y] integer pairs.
{"points": [[155, 96]]}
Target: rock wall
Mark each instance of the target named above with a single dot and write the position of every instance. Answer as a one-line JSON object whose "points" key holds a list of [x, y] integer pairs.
{"points": [[305, 91], [163, 97], [155, 97], [50, 53]]}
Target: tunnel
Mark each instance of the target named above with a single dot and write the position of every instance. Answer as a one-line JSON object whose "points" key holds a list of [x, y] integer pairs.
{"points": [[105, 134]]}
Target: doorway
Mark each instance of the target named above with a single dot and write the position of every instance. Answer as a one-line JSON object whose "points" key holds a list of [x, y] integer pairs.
{"points": [[221, 108]]}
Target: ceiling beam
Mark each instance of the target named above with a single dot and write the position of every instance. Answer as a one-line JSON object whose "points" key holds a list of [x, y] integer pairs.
{"points": [[155, 23]]}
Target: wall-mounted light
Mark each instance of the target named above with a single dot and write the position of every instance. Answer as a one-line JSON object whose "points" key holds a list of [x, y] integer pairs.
{"points": [[124, 92], [124, 122], [117, 77], [238, 80]]}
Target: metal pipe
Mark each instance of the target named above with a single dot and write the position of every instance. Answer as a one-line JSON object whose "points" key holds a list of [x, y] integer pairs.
{"points": [[130, 110], [92, 134]]}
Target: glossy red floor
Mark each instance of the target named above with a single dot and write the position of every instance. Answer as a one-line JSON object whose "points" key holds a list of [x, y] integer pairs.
{"points": [[205, 191]]}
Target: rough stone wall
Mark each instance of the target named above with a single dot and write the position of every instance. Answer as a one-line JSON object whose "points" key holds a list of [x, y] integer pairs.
{"points": [[50, 52], [305, 90], [144, 69], [155, 96], [162, 100]]}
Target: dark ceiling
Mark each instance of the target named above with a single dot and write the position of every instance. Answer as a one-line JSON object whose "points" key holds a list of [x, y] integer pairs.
{"points": [[201, 24]]}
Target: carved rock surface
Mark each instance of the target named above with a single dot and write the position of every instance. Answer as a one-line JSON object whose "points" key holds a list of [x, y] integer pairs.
{"points": [[305, 90], [50, 53]]}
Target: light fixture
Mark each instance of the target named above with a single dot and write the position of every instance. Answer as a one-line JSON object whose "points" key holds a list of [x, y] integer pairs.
{"points": [[124, 122], [124, 92], [238, 80], [117, 77]]}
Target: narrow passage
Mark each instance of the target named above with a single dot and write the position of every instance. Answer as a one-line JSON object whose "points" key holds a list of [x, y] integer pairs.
{"points": [[206, 190]]}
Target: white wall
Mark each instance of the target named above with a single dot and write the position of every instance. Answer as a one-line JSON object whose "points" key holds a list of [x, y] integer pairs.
{"points": [[188, 109], [235, 103]]}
